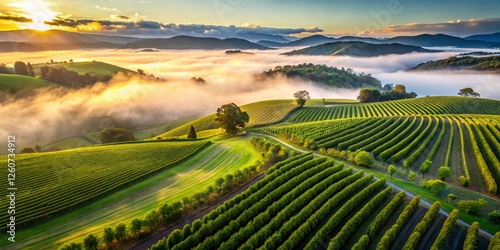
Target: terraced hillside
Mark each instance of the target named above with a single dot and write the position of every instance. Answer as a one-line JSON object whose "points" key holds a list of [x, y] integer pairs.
{"points": [[313, 203], [51, 180], [468, 144]]}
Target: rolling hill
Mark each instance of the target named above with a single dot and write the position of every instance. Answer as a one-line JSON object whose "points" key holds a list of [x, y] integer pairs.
{"points": [[487, 63], [188, 42], [494, 37], [19, 47], [358, 49], [17, 82], [100, 69]]}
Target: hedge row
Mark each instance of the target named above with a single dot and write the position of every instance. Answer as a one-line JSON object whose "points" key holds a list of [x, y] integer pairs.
{"points": [[388, 137], [403, 142], [360, 130], [376, 136], [352, 225], [365, 133], [422, 226], [362, 243], [323, 234], [308, 219], [444, 233], [470, 242], [408, 163], [396, 138], [391, 234], [384, 215], [491, 158]]}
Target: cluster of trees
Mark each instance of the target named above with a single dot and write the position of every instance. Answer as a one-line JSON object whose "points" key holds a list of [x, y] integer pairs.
{"points": [[198, 80], [67, 77], [324, 75], [468, 92], [464, 62], [272, 153], [360, 157], [109, 135], [398, 92], [20, 68]]}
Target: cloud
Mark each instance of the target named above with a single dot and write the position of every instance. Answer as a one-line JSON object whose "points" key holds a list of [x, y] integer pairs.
{"points": [[122, 17], [106, 8], [18, 19], [456, 27]]}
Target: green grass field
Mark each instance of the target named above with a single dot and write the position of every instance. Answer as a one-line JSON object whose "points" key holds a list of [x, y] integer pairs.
{"points": [[50, 180], [99, 69], [16, 82], [176, 182]]}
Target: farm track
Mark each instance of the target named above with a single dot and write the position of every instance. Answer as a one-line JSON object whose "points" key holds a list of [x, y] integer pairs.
{"points": [[394, 186], [146, 243]]}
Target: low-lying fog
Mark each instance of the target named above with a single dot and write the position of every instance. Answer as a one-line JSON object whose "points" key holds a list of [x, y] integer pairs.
{"points": [[145, 103]]}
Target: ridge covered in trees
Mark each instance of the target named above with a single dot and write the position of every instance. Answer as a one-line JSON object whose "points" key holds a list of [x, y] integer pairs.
{"points": [[490, 63], [324, 75]]}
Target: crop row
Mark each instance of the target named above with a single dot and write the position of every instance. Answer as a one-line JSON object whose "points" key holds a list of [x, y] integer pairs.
{"points": [[422, 227], [444, 233], [391, 234]]}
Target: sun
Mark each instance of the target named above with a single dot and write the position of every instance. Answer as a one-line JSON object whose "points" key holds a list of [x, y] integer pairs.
{"points": [[38, 12]]}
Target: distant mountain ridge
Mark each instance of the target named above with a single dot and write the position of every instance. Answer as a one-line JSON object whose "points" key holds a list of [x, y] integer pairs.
{"points": [[188, 42], [494, 38], [424, 40], [358, 49], [489, 63]]}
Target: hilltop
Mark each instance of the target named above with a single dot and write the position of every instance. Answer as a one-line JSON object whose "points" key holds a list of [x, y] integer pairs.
{"points": [[17, 82], [358, 49]]}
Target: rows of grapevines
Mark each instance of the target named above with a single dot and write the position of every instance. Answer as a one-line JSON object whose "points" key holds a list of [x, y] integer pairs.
{"points": [[334, 140], [398, 138], [75, 177], [417, 106], [491, 185]]}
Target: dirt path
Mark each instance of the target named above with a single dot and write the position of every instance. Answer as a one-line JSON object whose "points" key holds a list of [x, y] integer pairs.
{"points": [[148, 242]]}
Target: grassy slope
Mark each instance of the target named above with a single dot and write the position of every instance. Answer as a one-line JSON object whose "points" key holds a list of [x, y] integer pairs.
{"points": [[171, 185], [11, 81], [96, 68], [261, 113]]}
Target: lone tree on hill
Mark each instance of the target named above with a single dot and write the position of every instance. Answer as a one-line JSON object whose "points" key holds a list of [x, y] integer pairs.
{"points": [[392, 169], [116, 135], [468, 92], [231, 119], [192, 133], [301, 97], [20, 68]]}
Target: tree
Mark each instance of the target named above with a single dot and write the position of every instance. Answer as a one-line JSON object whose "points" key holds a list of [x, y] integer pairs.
{"points": [[444, 172], [364, 158], [192, 133], [4, 69], [424, 168], [411, 176], [301, 97], [31, 70], [387, 87], [108, 236], [468, 92], [391, 169], [231, 119], [141, 72], [120, 231], [369, 95], [452, 197], [116, 135], [20, 68], [38, 148], [400, 88], [494, 216], [436, 186], [27, 150], [135, 225], [91, 242], [472, 206]]}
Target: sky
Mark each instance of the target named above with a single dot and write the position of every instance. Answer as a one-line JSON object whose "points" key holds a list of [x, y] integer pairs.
{"points": [[378, 18]]}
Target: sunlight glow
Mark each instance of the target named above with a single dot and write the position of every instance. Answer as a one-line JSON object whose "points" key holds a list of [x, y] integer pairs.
{"points": [[38, 11]]}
